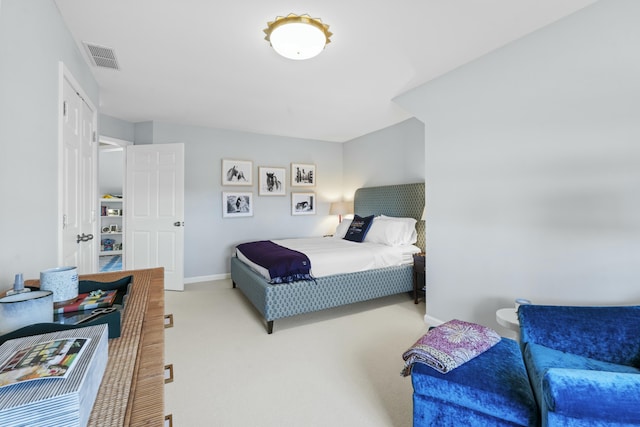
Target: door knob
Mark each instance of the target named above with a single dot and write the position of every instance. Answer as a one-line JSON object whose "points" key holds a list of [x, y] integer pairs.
{"points": [[84, 237], [178, 223]]}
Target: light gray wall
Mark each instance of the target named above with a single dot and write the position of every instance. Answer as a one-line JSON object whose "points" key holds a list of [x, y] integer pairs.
{"points": [[532, 158], [111, 171], [116, 128], [33, 39], [394, 155], [209, 239]]}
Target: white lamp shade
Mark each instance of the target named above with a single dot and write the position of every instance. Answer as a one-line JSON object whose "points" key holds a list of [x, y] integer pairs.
{"points": [[341, 208], [298, 40]]}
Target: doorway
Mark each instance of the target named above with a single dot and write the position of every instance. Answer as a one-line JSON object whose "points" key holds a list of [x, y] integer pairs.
{"points": [[111, 173]]}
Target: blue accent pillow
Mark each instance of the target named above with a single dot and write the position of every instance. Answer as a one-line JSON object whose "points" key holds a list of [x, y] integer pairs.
{"points": [[358, 228]]}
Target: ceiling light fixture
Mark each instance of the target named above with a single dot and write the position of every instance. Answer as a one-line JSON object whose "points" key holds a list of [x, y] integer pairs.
{"points": [[297, 37]]}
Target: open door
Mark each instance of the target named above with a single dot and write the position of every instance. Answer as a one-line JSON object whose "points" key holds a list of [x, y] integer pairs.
{"points": [[154, 215], [78, 177]]}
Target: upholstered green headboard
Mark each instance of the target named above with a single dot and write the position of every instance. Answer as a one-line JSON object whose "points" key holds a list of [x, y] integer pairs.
{"points": [[403, 200]]}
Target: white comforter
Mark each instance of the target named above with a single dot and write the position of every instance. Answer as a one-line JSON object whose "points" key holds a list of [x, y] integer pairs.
{"points": [[331, 256]]}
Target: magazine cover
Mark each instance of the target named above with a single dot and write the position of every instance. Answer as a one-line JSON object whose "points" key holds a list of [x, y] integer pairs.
{"points": [[50, 359], [89, 301]]}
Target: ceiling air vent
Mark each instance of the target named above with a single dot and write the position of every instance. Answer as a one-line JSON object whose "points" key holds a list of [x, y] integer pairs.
{"points": [[101, 56]]}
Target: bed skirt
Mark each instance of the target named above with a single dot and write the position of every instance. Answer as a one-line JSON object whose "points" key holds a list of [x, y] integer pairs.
{"points": [[284, 300]]}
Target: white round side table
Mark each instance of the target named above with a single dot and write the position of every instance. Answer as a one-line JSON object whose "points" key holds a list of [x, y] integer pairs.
{"points": [[508, 318]]}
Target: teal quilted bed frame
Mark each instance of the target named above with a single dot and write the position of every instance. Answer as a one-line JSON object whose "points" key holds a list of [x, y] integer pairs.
{"points": [[284, 300]]}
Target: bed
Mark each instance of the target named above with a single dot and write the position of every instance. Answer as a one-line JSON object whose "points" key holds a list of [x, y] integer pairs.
{"points": [[304, 296]]}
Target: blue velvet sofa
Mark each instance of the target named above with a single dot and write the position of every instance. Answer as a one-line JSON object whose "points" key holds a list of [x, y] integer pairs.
{"points": [[583, 363], [574, 366]]}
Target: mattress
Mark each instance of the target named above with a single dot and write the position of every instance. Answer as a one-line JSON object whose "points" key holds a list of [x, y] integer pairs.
{"points": [[330, 256]]}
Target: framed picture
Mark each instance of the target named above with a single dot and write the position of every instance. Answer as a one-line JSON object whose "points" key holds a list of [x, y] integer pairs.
{"points": [[237, 204], [271, 181], [237, 172], [303, 175], [303, 203]]}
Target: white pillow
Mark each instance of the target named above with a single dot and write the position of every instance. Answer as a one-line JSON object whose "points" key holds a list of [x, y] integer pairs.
{"points": [[342, 228], [390, 233], [409, 234]]}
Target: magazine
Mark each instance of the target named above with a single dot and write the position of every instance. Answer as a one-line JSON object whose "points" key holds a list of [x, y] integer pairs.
{"points": [[89, 301], [49, 359]]}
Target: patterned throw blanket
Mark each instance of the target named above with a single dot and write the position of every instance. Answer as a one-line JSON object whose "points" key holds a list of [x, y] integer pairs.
{"points": [[449, 345], [284, 265]]}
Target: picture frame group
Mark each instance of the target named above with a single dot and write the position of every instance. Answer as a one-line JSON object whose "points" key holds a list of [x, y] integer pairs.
{"points": [[271, 182]]}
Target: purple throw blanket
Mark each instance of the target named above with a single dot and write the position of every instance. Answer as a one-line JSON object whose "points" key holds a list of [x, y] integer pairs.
{"points": [[449, 345], [284, 265]]}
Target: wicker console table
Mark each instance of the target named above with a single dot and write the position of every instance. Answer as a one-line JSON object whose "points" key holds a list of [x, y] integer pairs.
{"points": [[132, 389]]}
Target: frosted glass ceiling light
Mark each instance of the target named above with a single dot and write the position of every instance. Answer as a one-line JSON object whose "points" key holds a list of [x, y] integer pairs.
{"points": [[297, 37]]}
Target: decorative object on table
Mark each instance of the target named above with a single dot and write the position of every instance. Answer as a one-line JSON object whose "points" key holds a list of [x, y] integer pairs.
{"points": [[62, 281], [46, 359], [303, 203], [521, 301], [236, 204], [303, 175], [18, 285], [237, 172], [450, 345], [89, 301], [24, 309], [271, 181], [56, 401], [64, 321]]}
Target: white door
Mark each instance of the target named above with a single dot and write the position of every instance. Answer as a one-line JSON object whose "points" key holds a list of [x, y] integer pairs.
{"points": [[154, 232], [78, 181]]}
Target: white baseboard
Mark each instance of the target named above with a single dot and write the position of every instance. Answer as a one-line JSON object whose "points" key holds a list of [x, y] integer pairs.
{"points": [[198, 279], [432, 321]]}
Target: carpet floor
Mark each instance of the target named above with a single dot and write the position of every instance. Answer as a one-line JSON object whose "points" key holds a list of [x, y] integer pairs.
{"points": [[337, 367]]}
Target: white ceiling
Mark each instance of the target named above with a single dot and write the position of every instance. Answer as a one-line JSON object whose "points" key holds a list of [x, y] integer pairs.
{"points": [[206, 63]]}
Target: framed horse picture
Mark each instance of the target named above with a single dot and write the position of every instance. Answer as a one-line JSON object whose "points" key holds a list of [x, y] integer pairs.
{"points": [[236, 204], [237, 172], [303, 175], [271, 181], [303, 203]]}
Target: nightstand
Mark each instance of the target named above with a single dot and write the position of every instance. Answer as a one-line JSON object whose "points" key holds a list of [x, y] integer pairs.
{"points": [[419, 280]]}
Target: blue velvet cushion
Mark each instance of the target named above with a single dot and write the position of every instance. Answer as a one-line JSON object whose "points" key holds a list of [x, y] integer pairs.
{"points": [[601, 398], [359, 228], [493, 386], [541, 360], [583, 363], [604, 333]]}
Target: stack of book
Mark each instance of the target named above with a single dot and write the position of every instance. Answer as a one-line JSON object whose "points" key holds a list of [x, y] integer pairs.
{"points": [[52, 379]]}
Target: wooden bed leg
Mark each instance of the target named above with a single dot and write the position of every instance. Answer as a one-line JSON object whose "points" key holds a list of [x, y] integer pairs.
{"points": [[270, 326]]}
